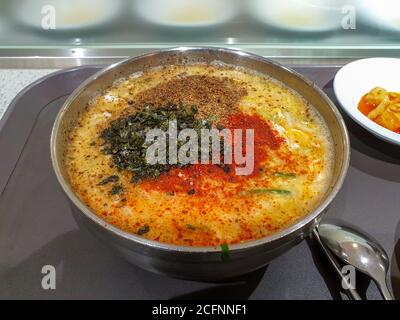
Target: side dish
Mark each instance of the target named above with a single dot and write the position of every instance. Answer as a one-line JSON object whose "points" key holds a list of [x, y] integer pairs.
{"points": [[382, 107]]}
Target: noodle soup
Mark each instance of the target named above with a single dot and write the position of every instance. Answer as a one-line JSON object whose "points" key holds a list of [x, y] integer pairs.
{"points": [[200, 204]]}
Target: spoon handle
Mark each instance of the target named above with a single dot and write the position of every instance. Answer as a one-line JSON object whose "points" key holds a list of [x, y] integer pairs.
{"points": [[385, 290], [351, 293]]}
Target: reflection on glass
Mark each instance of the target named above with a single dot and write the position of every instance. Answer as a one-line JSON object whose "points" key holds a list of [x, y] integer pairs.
{"points": [[384, 14], [64, 14], [161, 23], [299, 15], [184, 13]]}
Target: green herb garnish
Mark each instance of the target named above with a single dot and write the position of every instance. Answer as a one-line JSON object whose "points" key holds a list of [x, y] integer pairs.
{"points": [[265, 191], [284, 174], [125, 138], [143, 230], [225, 252], [113, 178], [117, 189], [278, 191], [212, 118]]}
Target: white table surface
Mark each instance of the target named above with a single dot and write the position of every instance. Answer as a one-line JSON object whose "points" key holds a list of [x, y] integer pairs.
{"points": [[12, 81]]}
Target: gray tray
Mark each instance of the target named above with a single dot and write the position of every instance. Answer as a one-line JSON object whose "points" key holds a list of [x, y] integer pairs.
{"points": [[37, 228]]}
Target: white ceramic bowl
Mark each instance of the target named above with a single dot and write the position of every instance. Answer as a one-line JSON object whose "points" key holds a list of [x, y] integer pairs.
{"points": [[297, 15], [186, 13], [70, 14], [356, 79], [384, 14]]}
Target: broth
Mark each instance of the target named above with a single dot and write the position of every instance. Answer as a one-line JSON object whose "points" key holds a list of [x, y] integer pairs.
{"points": [[206, 204]]}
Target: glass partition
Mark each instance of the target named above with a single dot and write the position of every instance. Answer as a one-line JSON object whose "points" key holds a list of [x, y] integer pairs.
{"points": [[314, 28]]}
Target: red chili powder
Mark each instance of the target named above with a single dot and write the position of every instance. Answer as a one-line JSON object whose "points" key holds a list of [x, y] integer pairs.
{"points": [[187, 179]]}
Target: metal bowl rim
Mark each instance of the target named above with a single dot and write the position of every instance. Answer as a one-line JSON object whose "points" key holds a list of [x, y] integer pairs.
{"points": [[201, 249]]}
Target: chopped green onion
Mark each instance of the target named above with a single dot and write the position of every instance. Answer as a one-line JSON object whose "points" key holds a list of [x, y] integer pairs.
{"points": [[225, 252], [278, 191], [284, 175], [263, 191]]}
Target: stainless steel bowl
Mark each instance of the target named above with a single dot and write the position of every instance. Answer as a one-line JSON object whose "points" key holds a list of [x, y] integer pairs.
{"points": [[199, 263]]}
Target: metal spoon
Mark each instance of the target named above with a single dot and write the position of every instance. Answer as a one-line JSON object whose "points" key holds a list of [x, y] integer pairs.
{"points": [[358, 250], [351, 293]]}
